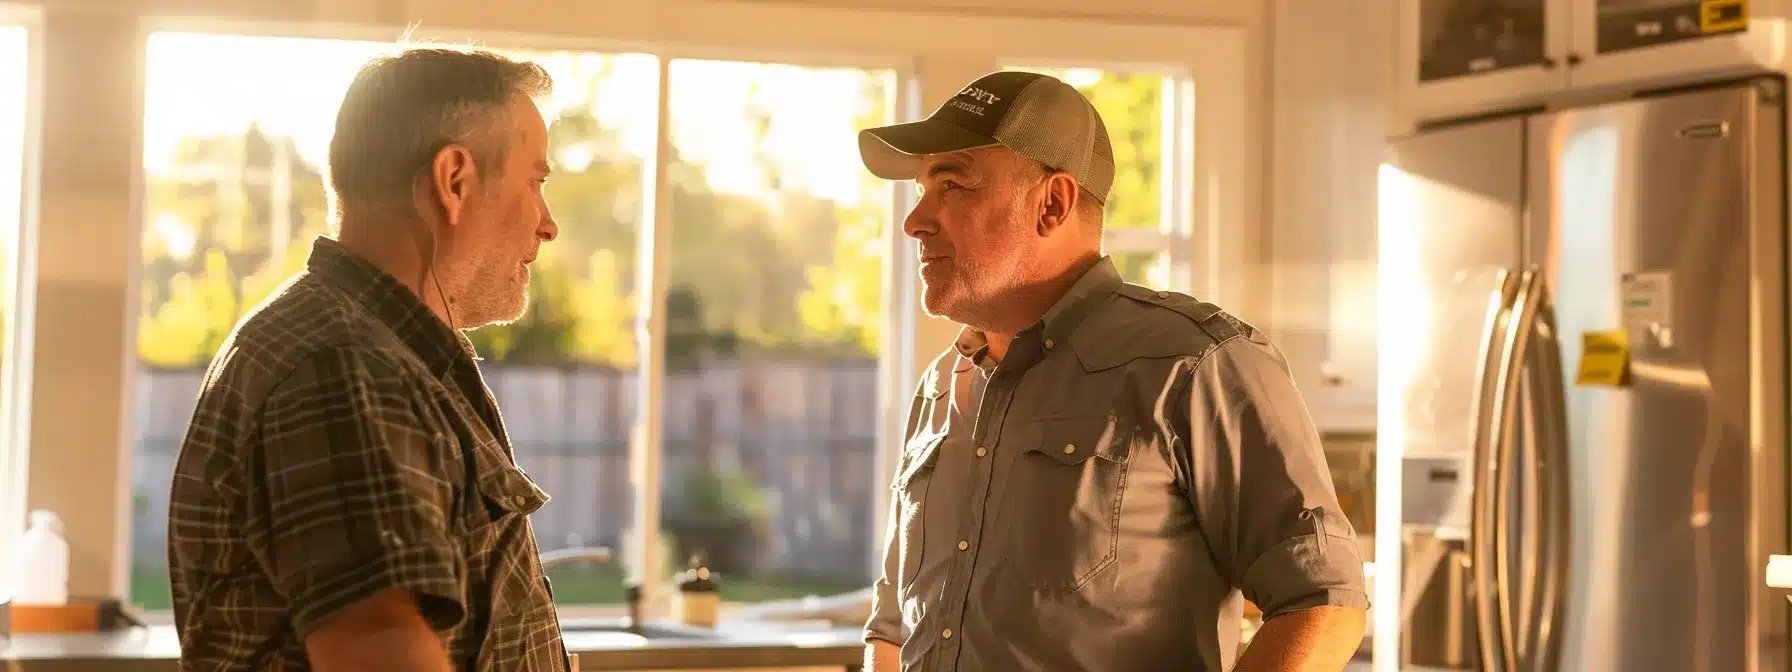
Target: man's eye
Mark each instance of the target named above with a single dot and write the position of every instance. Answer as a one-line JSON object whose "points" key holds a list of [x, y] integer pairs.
{"points": [[942, 186]]}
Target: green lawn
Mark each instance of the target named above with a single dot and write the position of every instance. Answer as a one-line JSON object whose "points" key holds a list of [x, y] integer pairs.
{"points": [[572, 585]]}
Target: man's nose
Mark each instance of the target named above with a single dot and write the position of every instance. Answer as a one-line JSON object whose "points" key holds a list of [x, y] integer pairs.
{"points": [[920, 222], [549, 229]]}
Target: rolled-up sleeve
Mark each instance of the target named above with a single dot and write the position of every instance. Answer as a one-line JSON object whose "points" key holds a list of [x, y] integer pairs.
{"points": [[1261, 486], [355, 492]]}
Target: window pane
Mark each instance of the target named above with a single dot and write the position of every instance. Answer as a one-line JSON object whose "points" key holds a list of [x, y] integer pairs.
{"points": [[1151, 269], [1131, 106], [13, 91], [774, 309], [236, 137]]}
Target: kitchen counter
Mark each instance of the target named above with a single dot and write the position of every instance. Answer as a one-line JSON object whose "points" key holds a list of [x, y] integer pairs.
{"points": [[599, 644]]}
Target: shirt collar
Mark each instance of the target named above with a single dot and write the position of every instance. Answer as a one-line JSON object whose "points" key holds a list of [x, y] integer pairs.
{"points": [[1058, 323], [396, 306]]}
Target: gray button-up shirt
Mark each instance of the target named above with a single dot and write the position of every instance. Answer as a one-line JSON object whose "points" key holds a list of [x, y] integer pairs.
{"points": [[1104, 498]]}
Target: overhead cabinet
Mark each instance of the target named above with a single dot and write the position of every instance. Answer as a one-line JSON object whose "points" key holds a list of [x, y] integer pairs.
{"points": [[1461, 58]]}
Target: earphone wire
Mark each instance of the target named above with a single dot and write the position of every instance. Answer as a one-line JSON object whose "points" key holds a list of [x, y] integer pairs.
{"points": [[430, 276]]}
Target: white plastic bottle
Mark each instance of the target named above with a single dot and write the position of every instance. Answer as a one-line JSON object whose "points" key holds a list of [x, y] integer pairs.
{"points": [[42, 566]]}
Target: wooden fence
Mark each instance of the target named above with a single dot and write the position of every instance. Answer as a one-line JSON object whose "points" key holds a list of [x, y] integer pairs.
{"points": [[805, 433]]}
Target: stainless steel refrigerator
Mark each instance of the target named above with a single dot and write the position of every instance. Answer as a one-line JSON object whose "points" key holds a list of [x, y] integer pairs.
{"points": [[1583, 388]]}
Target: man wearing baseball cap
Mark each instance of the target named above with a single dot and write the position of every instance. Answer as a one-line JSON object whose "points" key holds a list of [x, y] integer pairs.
{"points": [[1097, 474]]}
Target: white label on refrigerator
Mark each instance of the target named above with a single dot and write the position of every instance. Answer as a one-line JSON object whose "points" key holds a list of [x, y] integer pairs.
{"points": [[1648, 300]]}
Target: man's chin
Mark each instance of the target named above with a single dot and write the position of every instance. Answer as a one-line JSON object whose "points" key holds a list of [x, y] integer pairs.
{"points": [[500, 316], [937, 302], [512, 316]]}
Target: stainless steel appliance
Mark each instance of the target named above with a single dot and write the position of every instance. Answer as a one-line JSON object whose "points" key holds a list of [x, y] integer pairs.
{"points": [[1583, 334]]}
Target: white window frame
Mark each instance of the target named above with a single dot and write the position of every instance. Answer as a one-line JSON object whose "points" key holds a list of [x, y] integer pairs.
{"points": [[1174, 235], [15, 403], [1210, 193]]}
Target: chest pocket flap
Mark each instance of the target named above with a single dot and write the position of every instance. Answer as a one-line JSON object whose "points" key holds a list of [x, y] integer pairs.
{"points": [[918, 456], [504, 486], [512, 490], [1073, 439]]}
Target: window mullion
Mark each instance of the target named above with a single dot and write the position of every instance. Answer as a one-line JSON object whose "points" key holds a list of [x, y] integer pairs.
{"points": [[1179, 184], [897, 362], [654, 248]]}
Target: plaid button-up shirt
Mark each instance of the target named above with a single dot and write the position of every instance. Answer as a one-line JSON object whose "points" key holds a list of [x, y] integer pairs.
{"points": [[345, 443]]}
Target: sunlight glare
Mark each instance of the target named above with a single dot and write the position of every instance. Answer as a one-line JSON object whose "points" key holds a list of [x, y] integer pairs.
{"points": [[1082, 78], [14, 51], [808, 116], [13, 54], [576, 158], [1402, 308], [177, 235], [202, 85]]}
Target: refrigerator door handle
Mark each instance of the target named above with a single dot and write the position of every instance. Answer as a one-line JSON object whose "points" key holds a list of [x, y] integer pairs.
{"points": [[1548, 406], [1505, 441], [1485, 423]]}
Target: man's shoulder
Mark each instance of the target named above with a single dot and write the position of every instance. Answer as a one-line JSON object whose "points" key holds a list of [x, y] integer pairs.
{"points": [[299, 322], [1179, 311], [1141, 322]]}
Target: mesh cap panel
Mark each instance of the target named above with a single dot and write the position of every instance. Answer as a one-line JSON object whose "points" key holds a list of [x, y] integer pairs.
{"points": [[1053, 123], [1037, 116]]}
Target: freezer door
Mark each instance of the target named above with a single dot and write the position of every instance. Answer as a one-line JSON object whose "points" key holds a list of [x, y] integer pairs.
{"points": [[1653, 219], [1450, 223]]}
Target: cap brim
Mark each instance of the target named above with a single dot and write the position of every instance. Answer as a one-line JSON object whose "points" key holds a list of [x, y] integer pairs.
{"points": [[894, 152]]}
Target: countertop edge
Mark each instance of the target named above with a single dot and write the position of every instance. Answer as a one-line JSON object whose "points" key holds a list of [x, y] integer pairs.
{"points": [[156, 648]]}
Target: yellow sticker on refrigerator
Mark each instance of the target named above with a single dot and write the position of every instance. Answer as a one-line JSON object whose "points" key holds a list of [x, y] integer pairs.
{"points": [[1722, 16], [1604, 358]]}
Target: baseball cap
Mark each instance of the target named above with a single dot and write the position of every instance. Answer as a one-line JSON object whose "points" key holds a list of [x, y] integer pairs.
{"points": [[1038, 116]]}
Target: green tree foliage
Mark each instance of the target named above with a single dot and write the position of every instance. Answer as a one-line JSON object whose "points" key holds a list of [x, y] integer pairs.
{"points": [[782, 271], [844, 301]]}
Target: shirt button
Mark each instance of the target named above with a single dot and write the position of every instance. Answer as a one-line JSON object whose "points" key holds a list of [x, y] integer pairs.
{"points": [[962, 545], [947, 633], [1163, 295], [981, 451], [1049, 343], [1069, 448]]}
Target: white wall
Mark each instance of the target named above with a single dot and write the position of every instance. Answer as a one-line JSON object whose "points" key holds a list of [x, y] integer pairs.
{"points": [[1331, 90]]}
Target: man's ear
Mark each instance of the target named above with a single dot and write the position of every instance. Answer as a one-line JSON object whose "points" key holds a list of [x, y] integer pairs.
{"points": [[1060, 201], [452, 177]]}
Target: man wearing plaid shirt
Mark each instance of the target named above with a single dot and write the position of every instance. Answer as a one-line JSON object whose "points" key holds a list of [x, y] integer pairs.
{"points": [[346, 496]]}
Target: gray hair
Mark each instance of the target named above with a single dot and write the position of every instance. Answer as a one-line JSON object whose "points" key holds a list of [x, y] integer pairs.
{"points": [[402, 109]]}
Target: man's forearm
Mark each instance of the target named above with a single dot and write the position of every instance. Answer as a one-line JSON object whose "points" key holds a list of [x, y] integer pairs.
{"points": [[1321, 639], [882, 656], [384, 632]]}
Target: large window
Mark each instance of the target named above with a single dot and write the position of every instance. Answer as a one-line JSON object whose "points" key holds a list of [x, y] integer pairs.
{"points": [[774, 313], [14, 94], [236, 136], [773, 299], [1148, 238]]}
